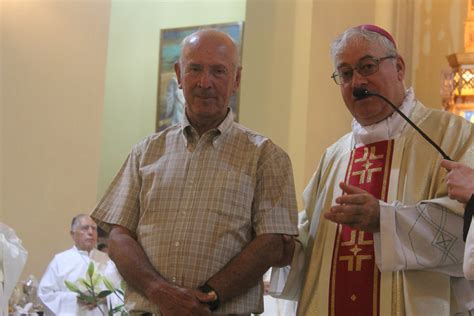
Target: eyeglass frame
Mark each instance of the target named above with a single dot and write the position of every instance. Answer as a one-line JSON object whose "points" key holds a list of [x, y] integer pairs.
{"points": [[335, 74]]}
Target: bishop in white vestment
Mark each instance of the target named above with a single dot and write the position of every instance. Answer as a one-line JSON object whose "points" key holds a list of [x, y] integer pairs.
{"points": [[379, 235]]}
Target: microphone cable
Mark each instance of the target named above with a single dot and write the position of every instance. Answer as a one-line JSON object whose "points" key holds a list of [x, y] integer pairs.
{"points": [[362, 93]]}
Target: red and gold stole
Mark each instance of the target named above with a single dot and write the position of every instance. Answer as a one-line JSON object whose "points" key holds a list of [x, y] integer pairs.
{"points": [[355, 278]]}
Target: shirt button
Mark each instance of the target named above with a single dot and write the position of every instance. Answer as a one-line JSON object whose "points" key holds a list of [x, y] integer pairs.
{"points": [[176, 244], [173, 279]]}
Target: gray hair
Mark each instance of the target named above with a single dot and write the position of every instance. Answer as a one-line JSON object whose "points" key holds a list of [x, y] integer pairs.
{"points": [[76, 221], [358, 33], [187, 39]]}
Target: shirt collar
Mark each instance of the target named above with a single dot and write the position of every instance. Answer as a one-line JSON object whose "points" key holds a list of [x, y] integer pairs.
{"points": [[190, 135], [389, 128], [82, 252]]}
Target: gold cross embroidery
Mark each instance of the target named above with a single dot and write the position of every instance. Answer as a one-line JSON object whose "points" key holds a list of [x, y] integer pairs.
{"points": [[360, 240], [355, 250], [350, 261], [367, 170]]}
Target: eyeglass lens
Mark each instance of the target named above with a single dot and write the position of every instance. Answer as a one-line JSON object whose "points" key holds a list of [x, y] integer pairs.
{"points": [[365, 67]]}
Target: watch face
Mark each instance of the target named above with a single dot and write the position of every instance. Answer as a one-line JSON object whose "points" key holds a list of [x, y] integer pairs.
{"points": [[213, 294], [214, 304]]}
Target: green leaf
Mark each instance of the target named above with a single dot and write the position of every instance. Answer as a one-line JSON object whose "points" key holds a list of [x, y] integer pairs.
{"points": [[81, 280], [85, 283], [108, 284], [90, 270], [89, 291], [117, 308], [96, 279], [104, 293], [72, 287], [82, 297], [87, 298]]}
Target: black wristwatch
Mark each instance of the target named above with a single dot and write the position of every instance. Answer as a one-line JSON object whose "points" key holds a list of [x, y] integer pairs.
{"points": [[206, 288]]}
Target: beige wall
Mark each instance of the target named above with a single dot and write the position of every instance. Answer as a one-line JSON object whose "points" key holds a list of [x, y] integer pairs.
{"points": [[1, 110], [438, 32], [52, 90]]}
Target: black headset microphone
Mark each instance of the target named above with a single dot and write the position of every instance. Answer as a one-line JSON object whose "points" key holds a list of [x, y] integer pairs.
{"points": [[362, 93]]}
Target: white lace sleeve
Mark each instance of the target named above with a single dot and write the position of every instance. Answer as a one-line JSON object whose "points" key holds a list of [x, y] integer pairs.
{"points": [[422, 236]]}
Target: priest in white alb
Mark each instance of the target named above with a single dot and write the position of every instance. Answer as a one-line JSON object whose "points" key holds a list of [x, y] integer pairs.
{"points": [[72, 265]]}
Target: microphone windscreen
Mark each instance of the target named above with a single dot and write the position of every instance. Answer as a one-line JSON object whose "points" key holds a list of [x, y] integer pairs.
{"points": [[360, 93]]}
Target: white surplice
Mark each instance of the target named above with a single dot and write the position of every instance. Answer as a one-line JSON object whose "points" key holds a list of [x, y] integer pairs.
{"points": [[71, 265]]}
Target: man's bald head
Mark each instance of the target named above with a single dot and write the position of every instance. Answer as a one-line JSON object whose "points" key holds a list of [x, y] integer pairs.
{"points": [[203, 36]]}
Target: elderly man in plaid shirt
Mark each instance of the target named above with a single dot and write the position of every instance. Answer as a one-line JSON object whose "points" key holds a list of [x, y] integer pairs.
{"points": [[198, 212]]}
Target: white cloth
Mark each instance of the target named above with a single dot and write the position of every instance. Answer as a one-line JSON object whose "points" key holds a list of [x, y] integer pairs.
{"points": [[397, 236], [395, 244], [278, 307], [12, 260], [274, 306], [390, 128], [71, 265]]}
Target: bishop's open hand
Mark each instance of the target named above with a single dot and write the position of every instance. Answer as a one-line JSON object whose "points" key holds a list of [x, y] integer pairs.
{"points": [[357, 209]]}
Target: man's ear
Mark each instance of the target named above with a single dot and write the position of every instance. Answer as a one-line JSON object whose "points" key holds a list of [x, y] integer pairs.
{"points": [[400, 64], [238, 76], [177, 70]]}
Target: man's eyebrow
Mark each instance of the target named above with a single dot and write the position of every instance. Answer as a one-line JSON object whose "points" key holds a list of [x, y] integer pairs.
{"points": [[371, 56], [360, 59], [218, 66]]}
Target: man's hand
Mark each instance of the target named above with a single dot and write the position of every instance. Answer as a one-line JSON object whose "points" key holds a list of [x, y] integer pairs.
{"points": [[176, 301], [357, 209], [247, 268], [460, 180], [135, 267]]}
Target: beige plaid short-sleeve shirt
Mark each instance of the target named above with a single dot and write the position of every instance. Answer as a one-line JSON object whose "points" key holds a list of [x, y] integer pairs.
{"points": [[195, 203]]}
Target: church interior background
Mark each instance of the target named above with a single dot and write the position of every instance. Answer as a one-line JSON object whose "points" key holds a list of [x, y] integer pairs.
{"points": [[79, 87]]}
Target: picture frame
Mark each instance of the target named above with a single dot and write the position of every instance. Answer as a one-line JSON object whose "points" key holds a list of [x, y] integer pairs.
{"points": [[170, 99]]}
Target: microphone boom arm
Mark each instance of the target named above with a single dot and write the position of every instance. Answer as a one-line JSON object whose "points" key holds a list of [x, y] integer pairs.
{"points": [[445, 156]]}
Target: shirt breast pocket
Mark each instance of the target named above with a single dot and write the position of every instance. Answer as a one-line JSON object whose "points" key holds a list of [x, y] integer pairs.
{"points": [[232, 195]]}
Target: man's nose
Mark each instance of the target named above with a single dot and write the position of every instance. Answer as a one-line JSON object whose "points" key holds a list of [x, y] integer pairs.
{"points": [[357, 79], [205, 79]]}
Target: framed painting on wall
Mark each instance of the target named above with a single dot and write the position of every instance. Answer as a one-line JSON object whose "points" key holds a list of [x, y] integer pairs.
{"points": [[170, 99]]}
